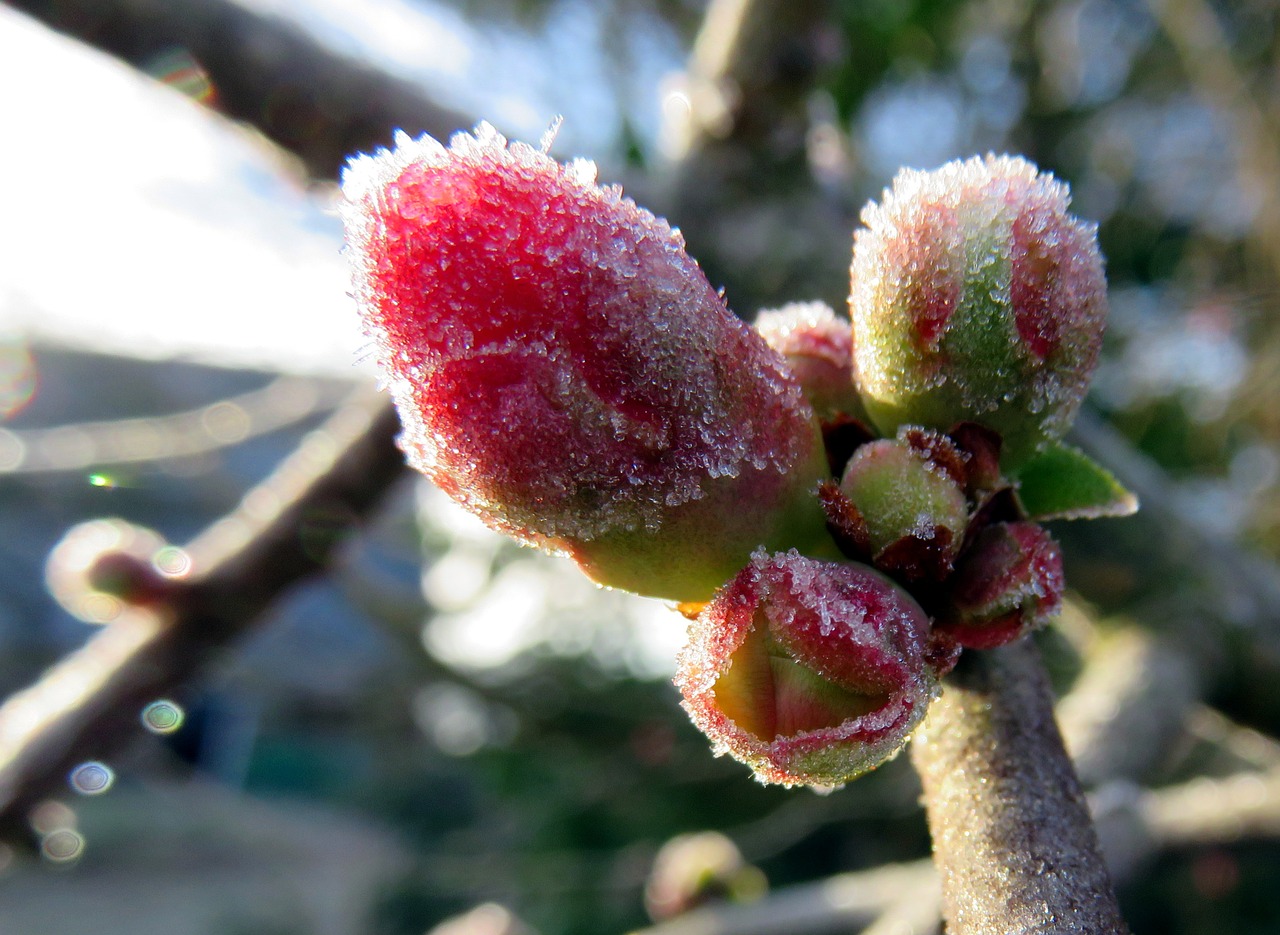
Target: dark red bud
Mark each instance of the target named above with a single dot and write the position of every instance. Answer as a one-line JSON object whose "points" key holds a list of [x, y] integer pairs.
{"points": [[1009, 582]]}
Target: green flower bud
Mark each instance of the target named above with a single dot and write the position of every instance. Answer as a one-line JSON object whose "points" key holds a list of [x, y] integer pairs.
{"points": [[977, 297], [902, 493]]}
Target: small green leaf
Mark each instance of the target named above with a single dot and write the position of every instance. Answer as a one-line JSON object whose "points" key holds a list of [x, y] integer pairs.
{"points": [[1062, 482]]}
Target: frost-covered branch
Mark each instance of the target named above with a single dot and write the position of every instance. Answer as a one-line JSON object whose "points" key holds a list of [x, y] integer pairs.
{"points": [[844, 903], [1128, 706], [1011, 832], [268, 69]]}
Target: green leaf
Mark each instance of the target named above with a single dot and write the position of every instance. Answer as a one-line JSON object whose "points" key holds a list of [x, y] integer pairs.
{"points": [[1062, 482]]}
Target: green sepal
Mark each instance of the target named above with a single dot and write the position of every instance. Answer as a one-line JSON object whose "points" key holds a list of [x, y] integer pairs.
{"points": [[1062, 482]]}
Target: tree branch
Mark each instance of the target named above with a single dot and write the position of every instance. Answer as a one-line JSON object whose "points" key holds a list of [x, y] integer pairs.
{"points": [[88, 704], [1128, 706], [283, 402], [838, 904], [1011, 832]]}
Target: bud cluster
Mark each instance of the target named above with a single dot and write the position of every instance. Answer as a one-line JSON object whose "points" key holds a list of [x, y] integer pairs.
{"points": [[565, 370]]}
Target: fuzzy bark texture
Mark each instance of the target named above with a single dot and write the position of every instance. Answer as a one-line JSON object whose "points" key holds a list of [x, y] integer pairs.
{"points": [[1012, 836]]}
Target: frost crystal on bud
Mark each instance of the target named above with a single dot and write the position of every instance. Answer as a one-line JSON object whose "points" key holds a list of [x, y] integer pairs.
{"points": [[1009, 582], [818, 346], [977, 297], [809, 672], [563, 368]]}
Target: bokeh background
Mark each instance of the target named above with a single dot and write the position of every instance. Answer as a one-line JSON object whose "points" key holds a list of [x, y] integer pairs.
{"points": [[445, 720]]}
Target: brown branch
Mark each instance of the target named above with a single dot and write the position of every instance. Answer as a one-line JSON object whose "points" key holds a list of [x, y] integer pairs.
{"points": [[751, 68], [739, 182], [1135, 825], [1012, 836], [88, 704]]}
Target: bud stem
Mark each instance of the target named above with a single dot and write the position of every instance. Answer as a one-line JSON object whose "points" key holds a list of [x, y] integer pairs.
{"points": [[1011, 831]]}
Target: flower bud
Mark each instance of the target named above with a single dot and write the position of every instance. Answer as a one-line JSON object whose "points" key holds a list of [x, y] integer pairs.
{"points": [[901, 493], [1007, 583], [809, 672], [564, 370], [977, 297], [692, 870], [818, 348], [102, 567]]}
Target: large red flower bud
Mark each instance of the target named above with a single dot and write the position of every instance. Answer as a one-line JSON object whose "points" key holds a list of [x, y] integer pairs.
{"points": [[977, 297], [809, 672], [564, 369]]}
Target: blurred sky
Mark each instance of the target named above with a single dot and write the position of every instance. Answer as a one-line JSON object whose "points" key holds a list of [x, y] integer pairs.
{"points": [[176, 235], [136, 225]]}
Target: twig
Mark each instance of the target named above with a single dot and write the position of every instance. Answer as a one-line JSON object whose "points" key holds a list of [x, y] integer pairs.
{"points": [[739, 174], [838, 904], [751, 67], [1207, 811], [917, 912], [1128, 706], [1242, 743], [283, 402], [1134, 825], [88, 703], [1011, 833]]}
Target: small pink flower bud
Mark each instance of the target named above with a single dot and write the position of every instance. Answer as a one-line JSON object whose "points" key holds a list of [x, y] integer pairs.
{"points": [[809, 672], [818, 347], [564, 370], [1007, 583], [912, 504], [977, 297]]}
